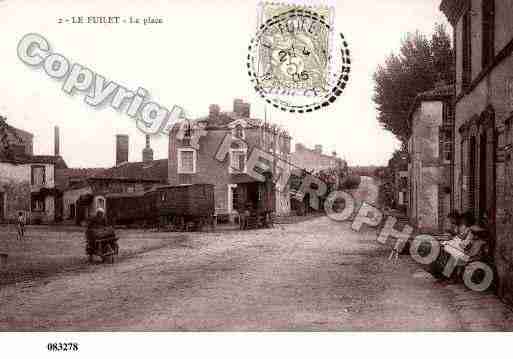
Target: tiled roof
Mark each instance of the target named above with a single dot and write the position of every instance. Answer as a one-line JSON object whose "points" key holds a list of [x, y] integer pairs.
{"points": [[156, 170], [28, 159], [64, 178], [225, 118]]}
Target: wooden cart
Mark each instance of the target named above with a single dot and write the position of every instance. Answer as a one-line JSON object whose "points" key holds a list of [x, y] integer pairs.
{"points": [[136, 208]]}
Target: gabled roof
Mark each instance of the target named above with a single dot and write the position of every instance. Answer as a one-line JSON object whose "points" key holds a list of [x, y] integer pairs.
{"points": [[156, 171]]}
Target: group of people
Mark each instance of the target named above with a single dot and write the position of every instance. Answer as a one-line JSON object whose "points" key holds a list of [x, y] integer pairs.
{"points": [[468, 241]]}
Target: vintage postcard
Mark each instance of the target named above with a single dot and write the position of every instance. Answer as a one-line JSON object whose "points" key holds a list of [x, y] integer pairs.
{"points": [[333, 166]]}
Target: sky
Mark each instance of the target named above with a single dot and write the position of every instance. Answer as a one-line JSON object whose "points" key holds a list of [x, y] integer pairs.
{"points": [[195, 58]]}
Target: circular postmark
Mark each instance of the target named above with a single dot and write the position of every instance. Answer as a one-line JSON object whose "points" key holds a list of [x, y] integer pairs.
{"points": [[293, 63]]}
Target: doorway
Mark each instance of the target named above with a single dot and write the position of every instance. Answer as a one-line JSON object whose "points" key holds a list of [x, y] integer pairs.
{"points": [[472, 176], [483, 178], [2, 206]]}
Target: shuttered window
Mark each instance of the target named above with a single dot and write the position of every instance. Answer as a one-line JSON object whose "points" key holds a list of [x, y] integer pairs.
{"points": [[488, 31], [238, 161], [466, 50], [186, 161], [472, 174]]}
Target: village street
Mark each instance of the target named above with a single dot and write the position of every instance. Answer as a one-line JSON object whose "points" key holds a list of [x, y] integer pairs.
{"points": [[314, 275]]}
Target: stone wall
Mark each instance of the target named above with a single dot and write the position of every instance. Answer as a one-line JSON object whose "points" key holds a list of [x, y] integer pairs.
{"points": [[429, 175], [16, 198]]}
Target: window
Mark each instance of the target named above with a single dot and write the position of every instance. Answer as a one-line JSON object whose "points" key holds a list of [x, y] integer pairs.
{"points": [[447, 146], [488, 31], [237, 161], [130, 189], [238, 132], [186, 160], [186, 141], [466, 50], [100, 203], [38, 175], [38, 204], [72, 211]]}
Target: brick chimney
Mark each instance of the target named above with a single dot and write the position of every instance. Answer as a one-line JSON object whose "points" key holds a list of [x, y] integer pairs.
{"points": [[56, 141], [147, 153], [318, 149], [121, 149]]}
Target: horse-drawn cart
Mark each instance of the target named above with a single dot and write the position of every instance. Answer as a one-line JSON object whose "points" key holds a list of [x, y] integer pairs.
{"points": [[101, 242]]}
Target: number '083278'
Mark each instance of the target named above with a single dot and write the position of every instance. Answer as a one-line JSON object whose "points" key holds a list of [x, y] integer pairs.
{"points": [[62, 347]]}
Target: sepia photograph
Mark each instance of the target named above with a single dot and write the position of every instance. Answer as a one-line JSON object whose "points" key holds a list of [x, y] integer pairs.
{"points": [[304, 177]]}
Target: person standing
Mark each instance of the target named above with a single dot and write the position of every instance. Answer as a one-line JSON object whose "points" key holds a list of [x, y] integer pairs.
{"points": [[20, 224]]}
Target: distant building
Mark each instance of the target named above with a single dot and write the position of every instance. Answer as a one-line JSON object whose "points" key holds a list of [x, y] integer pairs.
{"points": [[430, 149], [190, 164], [313, 160], [27, 181]]}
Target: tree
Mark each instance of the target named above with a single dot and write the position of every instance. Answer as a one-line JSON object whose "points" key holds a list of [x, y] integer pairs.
{"points": [[420, 64]]}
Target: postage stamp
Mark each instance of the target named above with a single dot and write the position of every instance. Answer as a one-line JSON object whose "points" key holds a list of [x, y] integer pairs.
{"points": [[296, 61], [294, 50]]}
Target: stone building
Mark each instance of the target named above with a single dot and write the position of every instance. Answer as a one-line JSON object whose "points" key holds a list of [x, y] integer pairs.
{"points": [[85, 189], [483, 173], [27, 181], [193, 146], [430, 160]]}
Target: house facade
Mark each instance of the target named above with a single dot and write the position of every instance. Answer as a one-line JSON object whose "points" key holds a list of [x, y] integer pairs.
{"points": [[483, 173], [430, 160], [196, 153], [27, 181]]}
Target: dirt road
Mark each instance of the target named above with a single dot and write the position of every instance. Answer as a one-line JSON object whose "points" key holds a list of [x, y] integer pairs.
{"points": [[316, 275]]}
